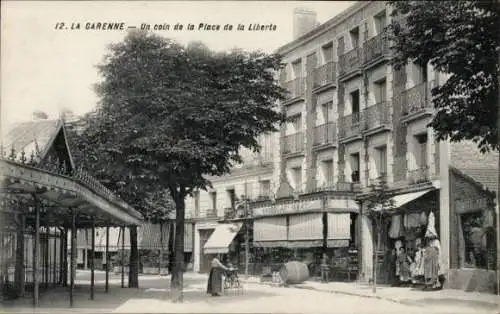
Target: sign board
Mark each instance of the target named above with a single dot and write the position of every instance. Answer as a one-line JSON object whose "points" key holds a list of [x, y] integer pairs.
{"points": [[289, 208]]}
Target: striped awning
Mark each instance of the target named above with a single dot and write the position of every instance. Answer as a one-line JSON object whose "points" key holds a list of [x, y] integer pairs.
{"points": [[339, 226], [270, 229], [306, 227], [270, 244]]}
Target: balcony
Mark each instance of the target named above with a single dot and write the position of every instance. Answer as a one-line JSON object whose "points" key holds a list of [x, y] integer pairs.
{"points": [[350, 63], [325, 135], [351, 127], [378, 117], [419, 175], [376, 50], [325, 75], [263, 197], [211, 213], [417, 102], [380, 179], [327, 185], [295, 89], [292, 144]]}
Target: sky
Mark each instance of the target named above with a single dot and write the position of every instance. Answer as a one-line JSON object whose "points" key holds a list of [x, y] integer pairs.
{"points": [[46, 68]]}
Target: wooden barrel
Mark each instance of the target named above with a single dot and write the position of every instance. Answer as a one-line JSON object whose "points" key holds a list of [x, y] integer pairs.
{"points": [[294, 272]]}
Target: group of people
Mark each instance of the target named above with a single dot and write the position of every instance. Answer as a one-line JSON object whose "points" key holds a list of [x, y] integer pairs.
{"points": [[425, 266]]}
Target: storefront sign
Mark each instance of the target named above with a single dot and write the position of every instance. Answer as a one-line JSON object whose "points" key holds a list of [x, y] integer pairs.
{"points": [[468, 205], [288, 208]]}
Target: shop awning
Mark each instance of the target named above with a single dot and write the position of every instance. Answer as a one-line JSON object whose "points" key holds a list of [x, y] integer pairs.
{"points": [[400, 200], [306, 227], [221, 238], [270, 229], [339, 226]]}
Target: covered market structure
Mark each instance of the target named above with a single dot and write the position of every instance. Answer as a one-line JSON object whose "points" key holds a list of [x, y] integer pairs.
{"points": [[45, 199]]}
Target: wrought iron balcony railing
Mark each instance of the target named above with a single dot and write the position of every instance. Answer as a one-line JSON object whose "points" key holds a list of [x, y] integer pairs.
{"points": [[295, 88], [351, 125], [327, 185], [376, 47], [378, 115], [325, 134], [263, 197], [325, 74], [419, 175], [293, 143], [417, 98], [350, 61]]}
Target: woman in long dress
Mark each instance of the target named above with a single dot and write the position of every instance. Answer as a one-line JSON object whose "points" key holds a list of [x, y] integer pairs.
{"points": [[215, 278], [431, 264]]}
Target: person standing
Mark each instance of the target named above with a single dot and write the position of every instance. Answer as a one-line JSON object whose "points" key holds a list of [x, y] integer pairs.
{"points": [[325, 268], [215, 278]]}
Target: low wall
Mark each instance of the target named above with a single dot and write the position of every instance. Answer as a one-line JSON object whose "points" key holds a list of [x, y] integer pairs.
{"points": [[472, 280]]}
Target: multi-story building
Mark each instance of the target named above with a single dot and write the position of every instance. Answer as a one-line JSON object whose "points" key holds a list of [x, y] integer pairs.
{"points": [[354, 119]]}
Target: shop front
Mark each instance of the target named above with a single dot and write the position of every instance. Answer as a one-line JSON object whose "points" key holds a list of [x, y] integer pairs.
{"points": [[472, 240], [220, 242], [399, 259]]}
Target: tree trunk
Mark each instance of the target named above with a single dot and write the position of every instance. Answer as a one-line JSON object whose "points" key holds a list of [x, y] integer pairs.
{"points": [[497, 236], [178, 267], [133, 272], [375, 255]]}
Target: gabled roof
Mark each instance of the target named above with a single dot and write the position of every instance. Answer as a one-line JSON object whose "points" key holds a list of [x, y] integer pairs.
{"points": [[33, 138]]}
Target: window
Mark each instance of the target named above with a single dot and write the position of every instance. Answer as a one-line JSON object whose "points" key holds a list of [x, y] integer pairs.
{"points": [[340, 46], [213, 197], [297, 68], [381, 161], [297, 178], [479, 240], [232, 197], [355, 165], [421, 154], [328, 172], [355, 106], [325, 109], [265, 189], [196, 196], [380, 91], [355, 101], [327, 51], [296, 124], [380, 22], [354, 37]]}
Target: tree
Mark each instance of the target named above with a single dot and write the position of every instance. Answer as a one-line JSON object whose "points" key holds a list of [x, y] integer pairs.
{"points": [[172, 116], [460, 39], [91, 152], [379, 202]]}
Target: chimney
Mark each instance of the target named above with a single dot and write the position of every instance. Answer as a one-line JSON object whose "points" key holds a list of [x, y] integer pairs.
{"points": [[304, 20]]}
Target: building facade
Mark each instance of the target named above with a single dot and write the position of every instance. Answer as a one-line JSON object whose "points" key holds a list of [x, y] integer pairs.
{"points": [[354, 119]]}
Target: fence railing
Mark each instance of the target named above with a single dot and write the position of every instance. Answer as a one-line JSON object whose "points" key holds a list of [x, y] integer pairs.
{"points": [[325, 74], [350, 60], [295, 88], [293, 143], [376, 47], [417, 98], [419, 175], [325, 134], [351, 125], [378, 114]]}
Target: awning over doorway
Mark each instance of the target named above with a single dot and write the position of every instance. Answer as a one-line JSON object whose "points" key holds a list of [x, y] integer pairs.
{"points": [[400, 200], [221, 238]]}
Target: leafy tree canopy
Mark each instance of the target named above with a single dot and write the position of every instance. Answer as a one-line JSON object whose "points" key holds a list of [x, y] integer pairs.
{"points": [[170, 114], [459, 38]]}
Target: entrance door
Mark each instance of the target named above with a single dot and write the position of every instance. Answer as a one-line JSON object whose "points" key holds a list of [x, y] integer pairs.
{"points": [[204, 259]]}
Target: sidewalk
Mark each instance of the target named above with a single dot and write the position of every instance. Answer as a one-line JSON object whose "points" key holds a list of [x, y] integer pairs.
{"points": [[410, 296]]}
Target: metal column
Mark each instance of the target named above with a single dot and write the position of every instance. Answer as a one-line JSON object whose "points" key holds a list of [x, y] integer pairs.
{"points": [[72, 258], [123, 256], [107, 259], [36, 251], [92, 266]]}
